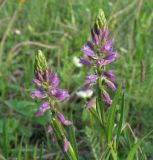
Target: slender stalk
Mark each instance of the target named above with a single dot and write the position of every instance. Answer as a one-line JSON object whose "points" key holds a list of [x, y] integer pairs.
{"points": [[60, 135]]}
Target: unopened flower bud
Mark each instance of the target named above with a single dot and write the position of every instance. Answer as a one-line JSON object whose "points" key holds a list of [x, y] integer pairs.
{"points": [[40, 62]]}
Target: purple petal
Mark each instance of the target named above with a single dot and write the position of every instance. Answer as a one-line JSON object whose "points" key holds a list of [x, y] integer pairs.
{"points": [[65, 145], [39, 112], [85, 61], [61, 117], [37, 82], [100, 61], [86, 86], [107, 98], [107, 46], [110, 75], [45, 105], [67, 123], [89, 103], [94, 36], [91, 78], [111, 85], [88, 51], [90, 44], [54, 81], [49, 128], [60, 94], [105, 33], [38, 93]]}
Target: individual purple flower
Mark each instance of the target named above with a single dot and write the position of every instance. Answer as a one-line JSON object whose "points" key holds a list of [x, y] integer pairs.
{"points": [[38, 93], [85, 61], [88, 51], [91, 78], [110, 75], [60, 94], [95, 37], [54, 81], [37, 82], [62, 119], [90, 44], [86, 86], [89, 104], [100, 61], [107, 98], [107, 46], [105, 33], [65, 145], [42, 109], [45, 105], [111, 85]]}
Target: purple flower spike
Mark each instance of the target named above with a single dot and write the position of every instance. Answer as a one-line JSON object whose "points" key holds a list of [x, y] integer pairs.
{"points": [[85, 61], [49, 128], [107, 98], [107, 46], [65, 145], [88, 51], [110, 75], [111, 85], [38, 93], [60, 94], [89, 103], [91, 78]]}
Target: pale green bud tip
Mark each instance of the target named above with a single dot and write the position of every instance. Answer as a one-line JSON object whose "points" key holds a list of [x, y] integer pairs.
{"points": [[101, 21], [40, 62]]}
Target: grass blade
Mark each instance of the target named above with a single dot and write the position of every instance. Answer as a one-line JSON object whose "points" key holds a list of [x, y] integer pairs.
{"points": [[111, 116], [136, 146], [120, 121], [72, 136]]}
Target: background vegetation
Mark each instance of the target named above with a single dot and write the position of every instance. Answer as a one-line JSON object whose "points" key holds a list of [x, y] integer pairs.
{"points": [[60, 28]]}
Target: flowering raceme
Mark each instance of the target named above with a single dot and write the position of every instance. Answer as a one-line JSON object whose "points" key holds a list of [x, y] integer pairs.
{"points": [[48, 90], [98, 53]]}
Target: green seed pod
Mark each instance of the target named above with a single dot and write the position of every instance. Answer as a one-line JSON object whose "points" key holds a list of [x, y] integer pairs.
{"points": [[101, 21], [40, 62]]}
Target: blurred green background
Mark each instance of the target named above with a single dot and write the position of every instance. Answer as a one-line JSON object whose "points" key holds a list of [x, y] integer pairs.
{"points": [[59, 28]]}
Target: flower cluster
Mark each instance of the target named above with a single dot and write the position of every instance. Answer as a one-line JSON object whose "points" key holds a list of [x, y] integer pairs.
{"points": [[98, 53], [47, 83]]}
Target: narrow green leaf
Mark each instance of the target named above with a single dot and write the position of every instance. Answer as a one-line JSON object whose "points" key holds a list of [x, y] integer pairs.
{"points": [[111, 115], [72, 136], [120, 121], [20, 149], [35, 152], [136, 146]]}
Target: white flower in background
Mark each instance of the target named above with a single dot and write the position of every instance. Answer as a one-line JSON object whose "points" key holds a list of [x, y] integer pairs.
{"points": [[85, 94], [17, 31], [76, 61]]}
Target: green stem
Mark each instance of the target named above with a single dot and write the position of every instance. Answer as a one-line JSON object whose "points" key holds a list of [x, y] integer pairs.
{"points": [[60, 135], [100, 103]]}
